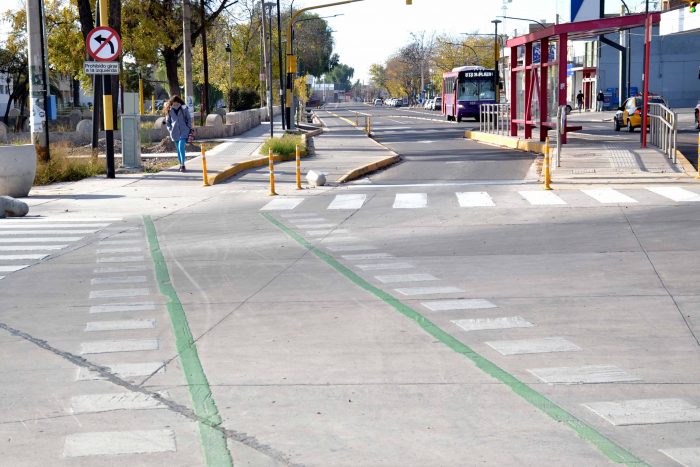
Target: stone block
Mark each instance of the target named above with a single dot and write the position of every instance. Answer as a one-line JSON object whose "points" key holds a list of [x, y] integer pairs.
{"points": [[11, 207], [316, 178], [84, 128], [17, 170], [215, 120], [74, 118], [3, 133]]}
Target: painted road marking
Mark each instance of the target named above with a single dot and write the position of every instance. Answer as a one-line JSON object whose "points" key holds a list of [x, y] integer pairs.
{"points": [[119, 242], [583, 374], [320, 233], [123, 370], [482, 324], [12, 226], [608, 196], [110, 443], [104, 251], [118, 280], [367, 256], [120, 269], [542, 198], [380, 266], [461, 304], [645, 411], [282, 204], [119, 293], [2, 277], [316, 226], [342, 248], [123, 325], [528, 346], [32, 247], [33, 220], [46, 232], [14, 268], [119, 307], [474, 199], [130, 345], [91, 403], [341, 239], [40, 240], [128, 235], [675, 193], [427, 290], [296, 215], [410, 200], [348, 202], [687, 457], [21, 257], [121, 259], [396, 278]]}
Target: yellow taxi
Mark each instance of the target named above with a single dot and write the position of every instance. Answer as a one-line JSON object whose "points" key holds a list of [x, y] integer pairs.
{"points": [[630, 114]]}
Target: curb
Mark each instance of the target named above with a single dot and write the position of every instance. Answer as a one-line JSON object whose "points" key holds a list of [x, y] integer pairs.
{"points": [[369, 168], [239, 167], [685, 163], [509, 142]]}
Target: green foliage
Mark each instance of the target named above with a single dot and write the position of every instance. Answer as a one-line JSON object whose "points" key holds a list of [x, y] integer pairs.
{"points": [[340, 75], [313, 40], [62, 168], [244, 99], [284, 146]]}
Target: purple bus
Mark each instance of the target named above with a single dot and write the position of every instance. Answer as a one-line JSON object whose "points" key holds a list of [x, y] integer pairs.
{"points": [[464, 89]]}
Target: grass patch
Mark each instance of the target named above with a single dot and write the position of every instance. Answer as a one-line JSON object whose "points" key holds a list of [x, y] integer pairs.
{"points": [[62, 168], [284, 146]]}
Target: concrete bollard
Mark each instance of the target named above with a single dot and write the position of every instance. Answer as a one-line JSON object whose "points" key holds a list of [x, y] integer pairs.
{"points": [[316, 178], [11, 207]]}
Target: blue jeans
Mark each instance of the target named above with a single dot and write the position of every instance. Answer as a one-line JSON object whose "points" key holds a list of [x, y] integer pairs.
{"points": [[180, 145]]}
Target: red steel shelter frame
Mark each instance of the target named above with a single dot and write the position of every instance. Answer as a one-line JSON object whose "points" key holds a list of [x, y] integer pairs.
{"points": [[537, 74]]}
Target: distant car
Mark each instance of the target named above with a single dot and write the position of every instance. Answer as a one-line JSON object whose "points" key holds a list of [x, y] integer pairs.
{"points": [[398, 102], [377, 102], [697, 116], [629, 115], [428, 104], [437, 103]]}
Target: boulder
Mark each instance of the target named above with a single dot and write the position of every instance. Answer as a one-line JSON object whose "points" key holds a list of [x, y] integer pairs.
{"points": [[11, 207], [87, 114], [74, 118], [3, 133], [84, 128], [316, 178], [215, 120], [17, 170]]}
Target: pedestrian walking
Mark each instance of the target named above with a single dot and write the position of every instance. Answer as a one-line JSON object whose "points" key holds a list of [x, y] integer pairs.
{"points": [[179, 124], [600, 100], [579, 101]]}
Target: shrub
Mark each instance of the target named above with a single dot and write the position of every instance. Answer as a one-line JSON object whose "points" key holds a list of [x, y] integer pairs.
{"points": [[62, 168], [284, 146]]}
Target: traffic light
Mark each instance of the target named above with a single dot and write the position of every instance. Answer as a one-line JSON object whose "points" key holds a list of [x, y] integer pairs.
{"points": [[692, 6]]}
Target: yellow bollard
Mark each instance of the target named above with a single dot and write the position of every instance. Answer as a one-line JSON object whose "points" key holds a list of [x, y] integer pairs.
{"points": [[369, 126], [272, 174], [357, 119], [153, 104], [298, 157], [204, 167], [698, 160], [547, 167]]}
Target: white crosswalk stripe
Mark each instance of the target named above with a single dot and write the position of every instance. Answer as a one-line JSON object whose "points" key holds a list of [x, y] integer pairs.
{"points": [[348, 201], [282, 204], [675, 193], [410, 200], [608, 196], [542, 198], [474, 199]]}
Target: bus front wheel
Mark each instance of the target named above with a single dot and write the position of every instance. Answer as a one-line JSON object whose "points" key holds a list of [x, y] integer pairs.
{"points": [[459, 119]]}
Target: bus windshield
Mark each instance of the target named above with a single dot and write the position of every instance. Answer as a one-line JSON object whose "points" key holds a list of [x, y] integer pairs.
{"points": [[476, 89]]}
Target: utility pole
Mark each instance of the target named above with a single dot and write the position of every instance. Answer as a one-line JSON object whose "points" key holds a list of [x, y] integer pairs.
{"points": [[205, 94], [187, 54], [39, 80], [497, 78], [96, 100], [107, 102], [268, 59], [285, 124], [262, 58]]}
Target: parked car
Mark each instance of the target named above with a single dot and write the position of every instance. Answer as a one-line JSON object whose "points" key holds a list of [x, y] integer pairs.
{"points": [[398, 102], [429, 104], [629, 115], [377, 102], [437, 103]]}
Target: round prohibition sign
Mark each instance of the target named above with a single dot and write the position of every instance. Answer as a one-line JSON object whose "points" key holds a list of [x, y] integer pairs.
{"points": [[103, 44]]}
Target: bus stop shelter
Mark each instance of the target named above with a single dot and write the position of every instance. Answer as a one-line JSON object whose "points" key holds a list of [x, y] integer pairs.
{"points": [[538, 79]]}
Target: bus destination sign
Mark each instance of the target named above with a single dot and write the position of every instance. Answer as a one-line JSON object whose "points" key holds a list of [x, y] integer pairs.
{"points": [[479, 74]]}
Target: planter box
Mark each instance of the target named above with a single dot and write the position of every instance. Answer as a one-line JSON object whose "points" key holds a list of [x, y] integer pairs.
{"points": [[17, 170]]}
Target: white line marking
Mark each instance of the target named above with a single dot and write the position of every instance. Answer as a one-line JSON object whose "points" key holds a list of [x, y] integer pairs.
{"points": [[104, 251], [47, 232], [342, 248], [118, 307], [12, 226], [31, 247], [675, 193], [121, 259], [91, 403], [387, 266], [282, 204], [481, 324], [123, 370], [583, 374], [474, 199], [21, 257], [120, 269], [315, 226], [135, 345], [32, 220], [608, 196], [367, 256], [118, 280], [427, 290], [687, 457], [118, 293], [320, 233], [110, 443], [341, 239], [529, 346], [123, 325], [410, 200], [119, 242], [645, 411], [461, 304], [542, 198], [294, 215], [397, 278], [40, 239], [348, 201], [13, 268], [126, 235]]}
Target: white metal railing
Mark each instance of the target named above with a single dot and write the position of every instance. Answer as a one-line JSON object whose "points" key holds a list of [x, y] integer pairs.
{"points": [[494, 118], [560, 129], [663, 129]]}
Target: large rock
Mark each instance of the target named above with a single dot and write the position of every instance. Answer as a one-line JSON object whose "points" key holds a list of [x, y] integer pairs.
{"points": [[215, 120], [316, 178], [17, 170], [11, 207], [75, 116], [84, 128], [3, 133]]}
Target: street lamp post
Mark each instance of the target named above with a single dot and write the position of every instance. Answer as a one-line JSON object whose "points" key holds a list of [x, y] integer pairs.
{"points": [[268, 59], [497, 77], [230, 77]]}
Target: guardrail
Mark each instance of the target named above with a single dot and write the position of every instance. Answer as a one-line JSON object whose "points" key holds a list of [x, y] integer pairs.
{"points": [[494, 119], [663, 129]]}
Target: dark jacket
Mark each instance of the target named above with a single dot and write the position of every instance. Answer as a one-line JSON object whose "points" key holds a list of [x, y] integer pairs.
{"points": [[179, 123]]}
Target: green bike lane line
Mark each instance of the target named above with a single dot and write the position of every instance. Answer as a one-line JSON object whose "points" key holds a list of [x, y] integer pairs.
{"points": [[216, 453], [606, 446]]}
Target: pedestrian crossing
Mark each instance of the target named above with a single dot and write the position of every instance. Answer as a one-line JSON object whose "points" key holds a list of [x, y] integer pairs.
{"points": [[27, 241], [482, 199]]}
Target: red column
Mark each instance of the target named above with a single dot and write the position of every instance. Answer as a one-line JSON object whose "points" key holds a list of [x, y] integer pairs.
{"points": [[563, 59], [544, 62], [513, 91], [528, 90]]}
